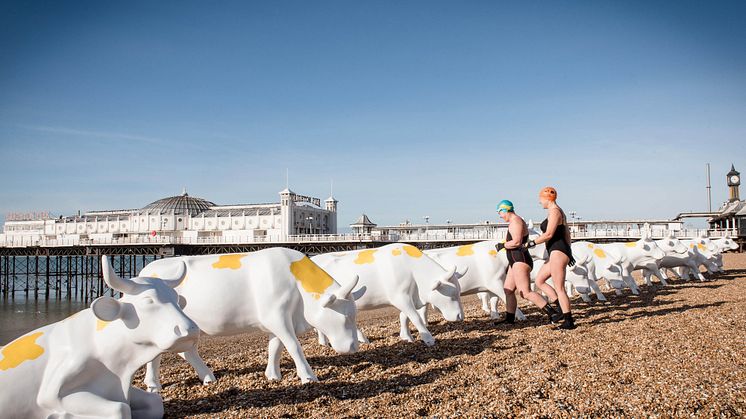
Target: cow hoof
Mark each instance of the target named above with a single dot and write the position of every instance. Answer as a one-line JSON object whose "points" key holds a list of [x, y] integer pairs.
{"points": [[428, 339], [209, 379], [406, 338], [494, 315], [271, 376], [155, 389]]}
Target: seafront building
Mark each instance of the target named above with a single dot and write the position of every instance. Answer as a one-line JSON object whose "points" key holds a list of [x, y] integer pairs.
{"points": [[181, 218]]}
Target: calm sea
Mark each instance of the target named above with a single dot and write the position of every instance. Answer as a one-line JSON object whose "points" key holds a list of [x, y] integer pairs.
{"points": [[19, 316]]}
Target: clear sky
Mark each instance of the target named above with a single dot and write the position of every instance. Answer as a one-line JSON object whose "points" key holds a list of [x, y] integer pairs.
{"points": [[438, 108]]}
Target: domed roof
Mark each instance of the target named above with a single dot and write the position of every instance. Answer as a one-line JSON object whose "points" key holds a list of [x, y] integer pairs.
{"points": [[180, 204]]}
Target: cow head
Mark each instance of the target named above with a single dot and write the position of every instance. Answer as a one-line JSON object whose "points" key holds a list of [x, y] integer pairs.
{"points": [[671, 245], [150, 310], [648, 246], [445, 295], [726, 243], [335, 316]]}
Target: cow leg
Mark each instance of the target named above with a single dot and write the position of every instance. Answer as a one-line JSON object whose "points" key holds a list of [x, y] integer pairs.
{"points": [[694, 269], [485, 299], [361, 336], [423, 313], [631, 284], [404, 333], [274, 351], [152, 378], [646, 273], [83, 404], [145, 405], [286, 334], [203, 371], [407, 308], [600, 295], [323, 340]]}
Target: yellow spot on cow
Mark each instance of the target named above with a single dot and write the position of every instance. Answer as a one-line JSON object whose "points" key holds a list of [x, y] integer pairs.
{"points": [[493, 253], [20, 350], [691, 246], [100, 324], [701, 246], [600, 253], [365, 256], [396, 252], [590, 245], [229, 261], [630, 244], [412, 251], [465, 250], [312, 278]]}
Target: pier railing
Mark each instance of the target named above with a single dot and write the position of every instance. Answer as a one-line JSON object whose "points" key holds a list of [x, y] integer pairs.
{"points": [[605, 234]]}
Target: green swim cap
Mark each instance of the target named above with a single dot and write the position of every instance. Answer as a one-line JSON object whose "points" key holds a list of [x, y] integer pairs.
{"points": [[505, 205]]}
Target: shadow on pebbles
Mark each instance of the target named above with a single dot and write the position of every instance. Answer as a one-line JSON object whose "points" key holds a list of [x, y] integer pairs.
{"points": [[677, 351]]}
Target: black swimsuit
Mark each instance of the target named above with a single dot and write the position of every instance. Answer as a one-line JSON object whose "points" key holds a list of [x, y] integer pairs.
{"points": [[519, 254], [558, 241]]}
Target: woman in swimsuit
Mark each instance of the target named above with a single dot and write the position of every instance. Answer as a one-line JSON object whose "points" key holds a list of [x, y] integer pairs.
{"points": [[519, 266], [557, 238]]}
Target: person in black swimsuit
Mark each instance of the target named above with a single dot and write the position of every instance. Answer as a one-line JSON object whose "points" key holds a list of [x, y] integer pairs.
{"points": [[557, 238], [519, 266]]}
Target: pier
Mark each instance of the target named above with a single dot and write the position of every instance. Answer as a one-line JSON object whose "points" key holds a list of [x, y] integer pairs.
{"points": [[64, 269]]}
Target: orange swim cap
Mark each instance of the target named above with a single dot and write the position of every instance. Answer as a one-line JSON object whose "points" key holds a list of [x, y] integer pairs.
{"points": [[548, 193]]}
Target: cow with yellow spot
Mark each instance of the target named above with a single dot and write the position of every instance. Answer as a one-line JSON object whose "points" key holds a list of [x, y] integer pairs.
{"points": [[398, 275], [278, 290], [486, 270], [700, 252], [83, 366], [600, 265]]}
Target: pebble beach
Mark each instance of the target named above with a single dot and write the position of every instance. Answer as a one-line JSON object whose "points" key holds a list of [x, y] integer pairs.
{"points": [[674, 351]]}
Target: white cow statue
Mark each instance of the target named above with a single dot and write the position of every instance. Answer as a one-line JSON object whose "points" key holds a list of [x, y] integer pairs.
{"points": [[486, 270], [600, 264], [676, 254], [640, 254], [398, 275], [723, 244], [702, 252], [280, 291], [82, 367]]}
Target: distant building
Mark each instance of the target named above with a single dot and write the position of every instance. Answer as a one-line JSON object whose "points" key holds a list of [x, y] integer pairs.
{"points": [[732, 214], [185, 216]]}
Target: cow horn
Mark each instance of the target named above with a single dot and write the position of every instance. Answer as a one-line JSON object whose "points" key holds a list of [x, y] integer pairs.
{"points": [[345, 290], [178, 278], [114, 281], [449, 274]]}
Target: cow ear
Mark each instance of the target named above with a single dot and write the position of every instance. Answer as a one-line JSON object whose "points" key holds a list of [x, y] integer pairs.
{"points": [[182, 302], [356, 295], [106, 308]]}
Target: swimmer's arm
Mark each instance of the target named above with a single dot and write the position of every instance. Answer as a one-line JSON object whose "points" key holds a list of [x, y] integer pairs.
{"points": [[516, 230], [554, 220]]}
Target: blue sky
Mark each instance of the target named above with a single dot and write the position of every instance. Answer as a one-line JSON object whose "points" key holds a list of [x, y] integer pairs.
{"points": [[412, 108]]}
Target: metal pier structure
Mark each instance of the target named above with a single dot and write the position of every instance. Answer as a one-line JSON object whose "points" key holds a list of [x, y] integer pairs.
{"points": [[51, 269]]}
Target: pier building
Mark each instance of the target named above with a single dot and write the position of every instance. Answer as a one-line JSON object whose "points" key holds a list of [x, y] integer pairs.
{"points": [[181, 218]]}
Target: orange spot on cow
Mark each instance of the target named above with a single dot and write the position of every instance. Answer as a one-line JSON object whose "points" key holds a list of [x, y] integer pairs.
{"points": [[590, 245], [365, 256], [20, 350], [600, 253], [229, 261], [701, 246], [630, 244], [465, 250], [396, 252], [412, 251], [312, 278], [101, 324], [493, 253]]}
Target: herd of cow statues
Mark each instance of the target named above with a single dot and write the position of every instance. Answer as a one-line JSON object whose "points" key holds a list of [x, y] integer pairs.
{"points": [[83, 366]]}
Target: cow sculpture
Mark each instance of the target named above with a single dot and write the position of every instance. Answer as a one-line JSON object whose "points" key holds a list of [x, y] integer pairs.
{"points": [[280, 291], [398, 275], [83, 366]]}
